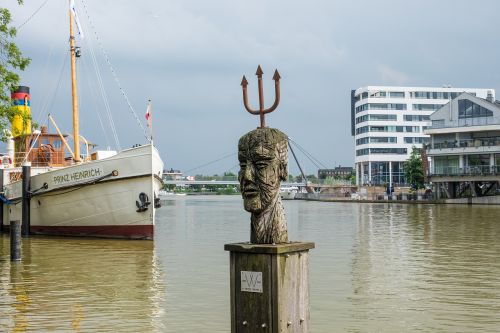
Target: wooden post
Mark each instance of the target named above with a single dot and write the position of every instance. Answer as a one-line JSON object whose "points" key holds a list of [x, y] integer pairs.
{"points": [[26, 199], [15, 240], [269, 287]]}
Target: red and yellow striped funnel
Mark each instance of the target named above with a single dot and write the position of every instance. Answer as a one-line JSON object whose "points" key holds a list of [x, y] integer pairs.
{"points": [[21, 101]]}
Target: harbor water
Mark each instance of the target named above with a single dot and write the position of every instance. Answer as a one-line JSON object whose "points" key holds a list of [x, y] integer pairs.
{"points": [[376, 268]]}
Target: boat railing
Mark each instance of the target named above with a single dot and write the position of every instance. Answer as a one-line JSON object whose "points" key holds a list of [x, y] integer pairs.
{"points": [[40, 158]]}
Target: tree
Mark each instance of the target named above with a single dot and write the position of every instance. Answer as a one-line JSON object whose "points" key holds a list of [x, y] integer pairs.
{"points": [[11, 60], [414, 170]]}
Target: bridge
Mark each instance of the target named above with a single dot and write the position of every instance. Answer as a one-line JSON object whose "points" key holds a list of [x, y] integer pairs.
{"points": [[217, 182]]}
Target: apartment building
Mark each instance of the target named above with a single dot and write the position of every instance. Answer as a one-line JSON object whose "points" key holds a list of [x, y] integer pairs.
{"points": [[464, 148], [386, 121]]}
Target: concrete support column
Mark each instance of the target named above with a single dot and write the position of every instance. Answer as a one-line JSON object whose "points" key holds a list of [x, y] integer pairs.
{"points": [[390, 174], [461, 163], [492, 163], [362, 171], [358, 174], [370, 172]]}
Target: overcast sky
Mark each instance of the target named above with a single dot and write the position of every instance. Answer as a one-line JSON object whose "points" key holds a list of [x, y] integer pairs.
{"points": [[188, 57]]}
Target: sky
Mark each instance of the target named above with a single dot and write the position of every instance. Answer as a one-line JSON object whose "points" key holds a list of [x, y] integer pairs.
{"points": [[189, 57]]}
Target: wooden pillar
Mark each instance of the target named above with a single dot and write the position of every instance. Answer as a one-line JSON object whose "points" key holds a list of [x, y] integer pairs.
{"points": [[26, 199], [269, 287], [15, 240]]}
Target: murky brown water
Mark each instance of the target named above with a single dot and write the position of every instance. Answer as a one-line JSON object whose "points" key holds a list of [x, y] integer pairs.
{"points": [[376, 268]]}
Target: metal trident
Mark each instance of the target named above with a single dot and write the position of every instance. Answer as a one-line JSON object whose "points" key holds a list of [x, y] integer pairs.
{"points": [[262, 111]]}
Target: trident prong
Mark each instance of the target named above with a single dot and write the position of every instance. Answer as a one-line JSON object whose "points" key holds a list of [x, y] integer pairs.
{"points": [[261, 112]]}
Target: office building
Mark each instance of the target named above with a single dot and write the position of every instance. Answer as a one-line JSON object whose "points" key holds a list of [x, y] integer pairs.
{"points": [[386, 121]]}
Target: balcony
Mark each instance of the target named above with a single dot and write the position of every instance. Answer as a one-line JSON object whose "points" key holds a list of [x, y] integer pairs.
{"points": [[476, 170], [465, 146], [465, 122]]}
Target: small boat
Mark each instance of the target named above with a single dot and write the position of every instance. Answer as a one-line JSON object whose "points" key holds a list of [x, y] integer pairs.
{"points": [[288, 192], [100, 194]]}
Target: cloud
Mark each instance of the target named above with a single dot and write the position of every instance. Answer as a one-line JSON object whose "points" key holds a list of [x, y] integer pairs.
{"points": [[390, 76], [189, 56]]}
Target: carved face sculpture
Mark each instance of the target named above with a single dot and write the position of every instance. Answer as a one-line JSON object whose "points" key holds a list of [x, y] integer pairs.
{"points": [[263, 157]]}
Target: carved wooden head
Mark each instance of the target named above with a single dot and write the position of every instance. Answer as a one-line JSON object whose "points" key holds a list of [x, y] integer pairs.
{"points": [[263, 157]]}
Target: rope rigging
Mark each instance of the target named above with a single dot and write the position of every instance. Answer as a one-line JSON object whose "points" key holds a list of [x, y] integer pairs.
{"points": [[311, 158], [32, 15], [104, 98], [115, 77], [211, 162]]}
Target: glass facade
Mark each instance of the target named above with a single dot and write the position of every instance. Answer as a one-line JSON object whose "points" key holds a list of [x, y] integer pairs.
{"points": [[426, 107], [469, 109], [398, 174], [414, 140], [376, 117], [380, 106], [397, 94], [416, 117], [446, 164], [434, 95], [376, 139], [380, 173], [371, 151]]}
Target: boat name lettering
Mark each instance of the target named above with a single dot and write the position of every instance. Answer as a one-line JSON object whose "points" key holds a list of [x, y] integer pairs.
{"points": [[79, 175]]}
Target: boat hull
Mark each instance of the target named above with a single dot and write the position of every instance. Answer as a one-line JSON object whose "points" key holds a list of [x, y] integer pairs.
{"points": [[99, 199]]}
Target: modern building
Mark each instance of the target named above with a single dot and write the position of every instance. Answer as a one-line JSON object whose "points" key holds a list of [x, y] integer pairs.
{"points": [[464, 147], [386, 121]]}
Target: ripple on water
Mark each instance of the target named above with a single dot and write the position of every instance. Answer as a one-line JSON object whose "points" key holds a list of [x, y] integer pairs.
{"points": [[375, 268]]}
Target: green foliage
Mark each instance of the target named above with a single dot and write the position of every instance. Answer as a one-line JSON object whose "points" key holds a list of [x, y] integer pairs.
{"points": [[11, 60], [414, 170], [312, 178]]}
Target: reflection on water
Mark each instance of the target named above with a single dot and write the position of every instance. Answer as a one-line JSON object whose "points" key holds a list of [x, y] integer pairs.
{"points": [[81, 285], [427, 268], [376, 268]]}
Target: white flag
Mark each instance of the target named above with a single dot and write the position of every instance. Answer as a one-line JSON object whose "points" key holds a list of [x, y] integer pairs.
{"points": [[148, 115], [75, 16]]}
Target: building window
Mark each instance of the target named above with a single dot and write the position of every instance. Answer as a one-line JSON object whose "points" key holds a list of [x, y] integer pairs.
{"points": [[433, 95], [426, 107], [416, 117], [362, 141], [380, 106], [396, 151], [383, 139], [438, 123], [378, 94], [361, 130], [411, 140], [361, 152], [56, 144], [376, 139], [376, 117], [469, 109], [387, 106], [397, 94]]}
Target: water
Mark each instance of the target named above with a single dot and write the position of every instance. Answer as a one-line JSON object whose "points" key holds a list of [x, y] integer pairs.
{"points": [[376, 268]]}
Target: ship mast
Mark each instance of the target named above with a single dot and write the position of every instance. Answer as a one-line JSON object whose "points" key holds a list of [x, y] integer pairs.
{"points": [[74, 95]]}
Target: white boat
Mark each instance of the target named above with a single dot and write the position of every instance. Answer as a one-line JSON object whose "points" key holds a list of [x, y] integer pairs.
{"points": [[288, 192], [106, 194]]}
